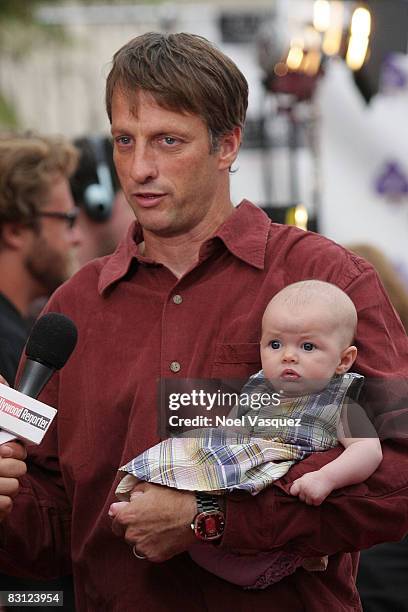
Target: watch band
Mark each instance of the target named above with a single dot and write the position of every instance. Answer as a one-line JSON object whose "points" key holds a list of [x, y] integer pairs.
{"points": [[207, 502]]}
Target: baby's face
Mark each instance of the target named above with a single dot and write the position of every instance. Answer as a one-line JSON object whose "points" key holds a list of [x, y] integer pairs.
{"points": [[301, 349]]}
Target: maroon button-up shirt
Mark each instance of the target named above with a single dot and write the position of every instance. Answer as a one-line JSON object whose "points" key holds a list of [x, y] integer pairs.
{"points": [[132, 333]]}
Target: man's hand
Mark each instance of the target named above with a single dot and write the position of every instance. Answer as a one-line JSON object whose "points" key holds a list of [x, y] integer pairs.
{"points": [[312, 488], [156, 520], [12, 466]]}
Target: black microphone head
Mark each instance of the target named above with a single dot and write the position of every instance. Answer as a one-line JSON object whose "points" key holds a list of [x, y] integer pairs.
{"points": [[52, 340]]}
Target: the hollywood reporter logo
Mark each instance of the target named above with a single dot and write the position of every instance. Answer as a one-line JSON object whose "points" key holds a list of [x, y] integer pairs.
{"points": [[24, 414]]}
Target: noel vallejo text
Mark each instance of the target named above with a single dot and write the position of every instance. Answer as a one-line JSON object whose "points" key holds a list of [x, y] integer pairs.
{"points": [[211, 401]]}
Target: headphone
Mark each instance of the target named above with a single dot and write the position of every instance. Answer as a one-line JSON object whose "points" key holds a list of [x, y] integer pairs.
{"points": [[98, 197]]}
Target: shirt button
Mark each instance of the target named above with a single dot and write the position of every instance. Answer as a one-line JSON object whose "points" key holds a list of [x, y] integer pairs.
{"points": [[175, 366], [177, 299]]}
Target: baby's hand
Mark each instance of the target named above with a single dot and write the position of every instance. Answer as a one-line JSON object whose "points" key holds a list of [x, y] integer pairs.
{"points": [[116, 506], [312, 488]]}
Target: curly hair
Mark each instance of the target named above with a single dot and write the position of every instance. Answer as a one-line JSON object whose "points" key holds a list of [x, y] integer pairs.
{"points": [[185, 73], [29, 165]]}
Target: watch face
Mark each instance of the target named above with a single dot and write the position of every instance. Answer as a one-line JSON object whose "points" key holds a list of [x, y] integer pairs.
{"points": [[209, 525]]}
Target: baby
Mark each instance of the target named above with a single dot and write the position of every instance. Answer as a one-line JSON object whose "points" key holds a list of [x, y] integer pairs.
{"points": [[306, 351]]}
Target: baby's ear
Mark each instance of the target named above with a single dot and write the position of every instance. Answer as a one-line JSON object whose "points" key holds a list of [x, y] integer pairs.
{"points": [[347, 358]]}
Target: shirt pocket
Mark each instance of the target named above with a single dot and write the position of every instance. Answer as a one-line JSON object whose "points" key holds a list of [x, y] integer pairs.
{"points": [[236, 360]]}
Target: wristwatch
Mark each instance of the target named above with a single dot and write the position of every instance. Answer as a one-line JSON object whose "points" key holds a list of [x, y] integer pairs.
{"points": [[209, 523]]}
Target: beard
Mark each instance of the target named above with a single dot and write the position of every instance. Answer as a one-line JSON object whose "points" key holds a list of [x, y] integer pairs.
{"points": [[50, 267]]}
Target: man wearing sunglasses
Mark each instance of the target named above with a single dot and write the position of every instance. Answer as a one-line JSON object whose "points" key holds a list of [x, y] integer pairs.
{"points": [[38, 240], [38, 237]]}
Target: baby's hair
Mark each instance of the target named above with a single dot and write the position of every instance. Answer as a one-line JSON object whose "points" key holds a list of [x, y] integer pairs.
{"points": [[340, 307]]}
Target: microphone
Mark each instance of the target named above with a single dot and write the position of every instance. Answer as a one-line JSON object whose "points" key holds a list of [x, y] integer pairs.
{"points": [[51, 342]]}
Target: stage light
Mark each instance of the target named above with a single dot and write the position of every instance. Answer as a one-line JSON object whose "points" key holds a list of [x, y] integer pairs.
{"points": [[359, 39], [295, 57], [321, 15]]}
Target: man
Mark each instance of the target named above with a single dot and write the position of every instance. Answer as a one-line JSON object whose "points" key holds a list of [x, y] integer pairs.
{"points": [[38, 243], [104, 214], [182, 298], [38, 239]]}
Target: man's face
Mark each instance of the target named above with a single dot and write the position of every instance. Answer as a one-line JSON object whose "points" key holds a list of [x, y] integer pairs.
{"points": [[172, 181], [301, 348], [51, 253]]}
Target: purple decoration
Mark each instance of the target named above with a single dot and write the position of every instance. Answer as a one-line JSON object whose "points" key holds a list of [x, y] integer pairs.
{"points": [[392, 182], [392, 75]]}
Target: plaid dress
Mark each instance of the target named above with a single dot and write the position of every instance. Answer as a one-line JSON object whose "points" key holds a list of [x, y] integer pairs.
{"points": [[220, 460]]}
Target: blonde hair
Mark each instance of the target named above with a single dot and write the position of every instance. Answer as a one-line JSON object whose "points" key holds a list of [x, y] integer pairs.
{"points": [[340, 307], [393, 285], [29, 165]]}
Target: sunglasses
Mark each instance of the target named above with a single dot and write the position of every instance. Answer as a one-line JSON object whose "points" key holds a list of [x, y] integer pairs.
{"points": [[69, 217]]}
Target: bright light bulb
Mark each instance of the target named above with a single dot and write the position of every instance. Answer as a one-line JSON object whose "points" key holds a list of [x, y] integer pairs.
{"points": [[361, 23], [294, 58], [321, 15], [356, 52], [311, 62], [301, 217], [359, 39]]}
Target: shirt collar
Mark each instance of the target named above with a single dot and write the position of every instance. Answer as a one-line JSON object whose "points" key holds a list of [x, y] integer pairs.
{"points": [[244, 234]]}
